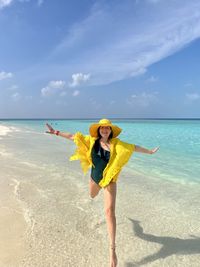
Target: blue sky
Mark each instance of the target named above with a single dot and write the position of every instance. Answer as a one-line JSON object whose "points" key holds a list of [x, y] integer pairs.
{"points": [[88, 59]]}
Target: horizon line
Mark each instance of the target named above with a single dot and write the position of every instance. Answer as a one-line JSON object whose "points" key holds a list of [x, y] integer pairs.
{"points": [[98, 118]]}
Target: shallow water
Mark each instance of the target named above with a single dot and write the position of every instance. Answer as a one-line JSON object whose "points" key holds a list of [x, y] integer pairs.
{"points": [[177, 160]]}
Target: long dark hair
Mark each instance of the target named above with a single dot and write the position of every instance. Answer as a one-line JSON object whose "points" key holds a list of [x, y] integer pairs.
{"points": [[96, 144]]}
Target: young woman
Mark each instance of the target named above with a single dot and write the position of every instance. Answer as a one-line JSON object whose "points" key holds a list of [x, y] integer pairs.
{"points": [[106, 155]]}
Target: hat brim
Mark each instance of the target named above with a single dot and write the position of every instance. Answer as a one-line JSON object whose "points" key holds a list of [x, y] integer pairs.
{"points": [[94, 129]]}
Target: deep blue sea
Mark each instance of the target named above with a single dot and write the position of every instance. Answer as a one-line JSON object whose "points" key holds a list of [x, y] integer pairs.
{"points": [[178, 158]]}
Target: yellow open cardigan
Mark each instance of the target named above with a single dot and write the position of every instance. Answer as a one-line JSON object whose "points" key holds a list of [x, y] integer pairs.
{"points": [[120, 152]]}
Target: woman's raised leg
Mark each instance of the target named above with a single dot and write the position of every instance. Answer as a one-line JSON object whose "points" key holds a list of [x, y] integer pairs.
{"points": [[110, 200], [93, 188]]}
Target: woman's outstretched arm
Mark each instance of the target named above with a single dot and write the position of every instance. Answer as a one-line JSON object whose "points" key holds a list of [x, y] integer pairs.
{"points": [[145, 150], [58, 133]]}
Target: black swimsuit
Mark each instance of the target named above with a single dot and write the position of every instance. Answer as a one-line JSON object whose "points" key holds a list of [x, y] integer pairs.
{"points": [[100, 158]]}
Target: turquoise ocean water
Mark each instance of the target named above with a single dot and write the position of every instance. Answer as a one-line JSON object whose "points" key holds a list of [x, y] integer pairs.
{"points": [[178, 158]]}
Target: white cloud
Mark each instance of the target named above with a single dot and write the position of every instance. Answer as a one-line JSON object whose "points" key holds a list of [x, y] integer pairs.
{"points": [[193, 96], [40, 2], [46, 91], [13, 87], [154, 1], [188, 84], [138, 71], [5, 3], [57, 84], [152, 79], [16, 96], [5, 75], [22, 1], [133, 96], [78, 79], [76, 93], [118, 45], [63, 93], [52, 88], [144, 99], [29, 97]]}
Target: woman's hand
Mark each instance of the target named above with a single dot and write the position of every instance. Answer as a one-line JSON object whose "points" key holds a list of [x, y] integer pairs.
{"points": [[154, 150], [145, 150], [51, 130]]}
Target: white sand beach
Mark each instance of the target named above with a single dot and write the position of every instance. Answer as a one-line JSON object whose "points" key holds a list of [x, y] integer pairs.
{"points": [[47, 218]]}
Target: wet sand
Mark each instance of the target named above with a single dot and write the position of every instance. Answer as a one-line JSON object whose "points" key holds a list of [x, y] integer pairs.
{"points": [[48, 219]]}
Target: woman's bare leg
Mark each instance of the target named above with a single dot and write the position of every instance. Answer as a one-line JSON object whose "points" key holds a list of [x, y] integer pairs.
{"points": [[110, 199], [93, 188]]}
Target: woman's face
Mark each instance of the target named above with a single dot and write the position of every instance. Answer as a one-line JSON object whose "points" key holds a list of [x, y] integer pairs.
{"points": [[105, 131]]}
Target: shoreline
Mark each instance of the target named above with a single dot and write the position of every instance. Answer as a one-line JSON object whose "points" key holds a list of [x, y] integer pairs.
{"points": [[4, 130]]}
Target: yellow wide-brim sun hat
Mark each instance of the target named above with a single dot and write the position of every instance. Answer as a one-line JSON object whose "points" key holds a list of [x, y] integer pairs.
{"points": [[104, 122]]}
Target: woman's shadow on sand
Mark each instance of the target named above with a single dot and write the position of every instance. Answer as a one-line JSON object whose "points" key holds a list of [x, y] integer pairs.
{"points": [[170, 245]]}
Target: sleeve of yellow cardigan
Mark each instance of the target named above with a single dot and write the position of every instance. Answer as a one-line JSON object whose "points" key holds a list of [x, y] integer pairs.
{"points": [[124, 151], [82, 147]]}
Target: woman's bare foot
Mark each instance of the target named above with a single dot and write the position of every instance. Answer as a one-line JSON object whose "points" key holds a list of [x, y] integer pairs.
{"points": [[113, 258]]}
